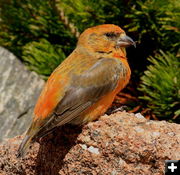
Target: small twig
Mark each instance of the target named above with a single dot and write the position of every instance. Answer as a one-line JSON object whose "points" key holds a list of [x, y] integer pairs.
{"points": [[65, 19], [175, 117], [135, 109], [154, 117], [147, 116], [25, 111], [122, 94]]}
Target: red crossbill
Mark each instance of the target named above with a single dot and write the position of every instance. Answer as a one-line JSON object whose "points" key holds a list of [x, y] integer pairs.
{"points": [[84, 85]]}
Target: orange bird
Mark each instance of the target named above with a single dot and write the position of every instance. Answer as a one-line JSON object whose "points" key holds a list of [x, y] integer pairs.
{"points": [[84, 85]]}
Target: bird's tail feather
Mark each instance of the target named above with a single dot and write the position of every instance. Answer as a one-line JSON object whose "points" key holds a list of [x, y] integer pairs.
{"points": [[25, 144]]}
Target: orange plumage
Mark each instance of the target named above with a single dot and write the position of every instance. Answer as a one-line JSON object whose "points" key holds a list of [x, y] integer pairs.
{"points": [[84, 85]]}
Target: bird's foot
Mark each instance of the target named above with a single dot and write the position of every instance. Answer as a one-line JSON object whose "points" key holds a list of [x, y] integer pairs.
{"points": [[119, 109]]}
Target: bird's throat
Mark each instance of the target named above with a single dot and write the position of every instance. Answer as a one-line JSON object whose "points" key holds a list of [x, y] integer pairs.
{"points": [[119, 55]]}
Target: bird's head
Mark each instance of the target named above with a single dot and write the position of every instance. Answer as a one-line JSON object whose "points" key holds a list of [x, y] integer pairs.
{"points": [[105, 38]]}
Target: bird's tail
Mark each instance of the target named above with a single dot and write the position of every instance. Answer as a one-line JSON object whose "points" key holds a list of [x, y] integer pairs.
{"points": [[33, 133], [25, 144]]}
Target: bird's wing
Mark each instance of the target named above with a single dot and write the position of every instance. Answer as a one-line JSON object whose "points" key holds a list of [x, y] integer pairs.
{"points": [[81, 93], [84, 90]]}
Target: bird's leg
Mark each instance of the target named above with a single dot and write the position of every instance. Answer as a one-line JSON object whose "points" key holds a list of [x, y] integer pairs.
{"points": [[114, 109], [120, 109]]}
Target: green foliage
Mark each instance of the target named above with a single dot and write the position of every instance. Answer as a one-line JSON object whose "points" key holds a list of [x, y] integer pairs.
{"points": [[161, 85], [22, 26], [41, 33], [24, 21], [155, 24], [86, 13], [157, 20], [42, 57]]}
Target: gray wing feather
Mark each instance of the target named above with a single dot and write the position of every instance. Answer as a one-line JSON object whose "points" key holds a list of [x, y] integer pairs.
{"points": [[86, 89]]}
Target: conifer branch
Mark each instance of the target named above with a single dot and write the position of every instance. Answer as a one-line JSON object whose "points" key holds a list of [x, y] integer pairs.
{"points": [[72, 28]]}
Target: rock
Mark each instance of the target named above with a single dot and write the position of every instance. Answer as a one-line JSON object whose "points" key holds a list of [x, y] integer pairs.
{"points": [[139, 115], [19, 89], [118, 144]]}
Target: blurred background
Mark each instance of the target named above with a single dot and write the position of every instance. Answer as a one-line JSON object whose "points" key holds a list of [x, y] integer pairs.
{"points": [[42, 33]]}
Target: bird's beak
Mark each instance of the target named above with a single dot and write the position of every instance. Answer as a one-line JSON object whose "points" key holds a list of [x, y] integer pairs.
{"points": [[125, 41]]}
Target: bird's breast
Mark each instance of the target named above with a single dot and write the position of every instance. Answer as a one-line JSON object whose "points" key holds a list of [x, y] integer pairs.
{"points": [[124, 75]]}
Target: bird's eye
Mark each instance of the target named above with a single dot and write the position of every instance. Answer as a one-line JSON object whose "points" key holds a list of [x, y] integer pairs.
{"points": [[110, 35]]}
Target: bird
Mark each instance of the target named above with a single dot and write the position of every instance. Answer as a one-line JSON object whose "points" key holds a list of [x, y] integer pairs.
{"points": [[84, 85]]}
